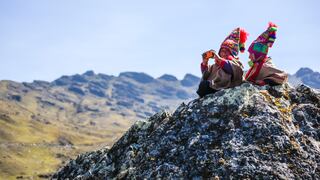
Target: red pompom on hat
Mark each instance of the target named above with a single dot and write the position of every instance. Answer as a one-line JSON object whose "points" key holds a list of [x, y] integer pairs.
{"points": [[243, 38]]}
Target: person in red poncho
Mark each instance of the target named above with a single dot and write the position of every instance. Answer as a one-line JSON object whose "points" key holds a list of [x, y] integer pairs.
{"points": [[227, 71], [262, 69]]}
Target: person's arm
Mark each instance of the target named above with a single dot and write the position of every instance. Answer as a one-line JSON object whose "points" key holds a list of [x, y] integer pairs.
{"points": [[204, 67], [205, 58], [224, 64]]}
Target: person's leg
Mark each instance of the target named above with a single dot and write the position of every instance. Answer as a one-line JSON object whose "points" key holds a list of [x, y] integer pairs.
{"points": [[271, 82], [204, 89]]}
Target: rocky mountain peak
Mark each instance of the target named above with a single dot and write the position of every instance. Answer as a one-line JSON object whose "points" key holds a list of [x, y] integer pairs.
{"points": [[243, 132], [309, 77], [303, 71], [139, 77], [89, 73], [190, 80], [168, 77]]}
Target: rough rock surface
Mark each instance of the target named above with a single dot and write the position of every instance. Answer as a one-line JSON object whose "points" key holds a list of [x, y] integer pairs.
{"points": [[244, 132]]}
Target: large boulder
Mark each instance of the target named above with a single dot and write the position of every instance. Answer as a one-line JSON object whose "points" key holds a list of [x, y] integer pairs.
{"points": [[244, 132]]}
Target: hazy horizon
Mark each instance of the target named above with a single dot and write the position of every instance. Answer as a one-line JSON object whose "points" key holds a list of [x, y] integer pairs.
{"points": [[80, 73]]}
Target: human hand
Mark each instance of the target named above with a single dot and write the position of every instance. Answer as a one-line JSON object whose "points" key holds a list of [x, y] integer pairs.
{"points": [[212, 53], [208, 54]]}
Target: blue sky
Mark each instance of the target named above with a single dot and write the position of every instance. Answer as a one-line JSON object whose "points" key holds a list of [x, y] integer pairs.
{"points": [[44, 39]]}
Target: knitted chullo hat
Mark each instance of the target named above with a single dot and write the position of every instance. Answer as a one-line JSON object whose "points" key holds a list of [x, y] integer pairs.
{"points": [[261, 45], [235, 42]]}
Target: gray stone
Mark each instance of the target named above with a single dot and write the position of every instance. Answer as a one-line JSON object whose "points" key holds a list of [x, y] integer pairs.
{"points": [[247, 132]]}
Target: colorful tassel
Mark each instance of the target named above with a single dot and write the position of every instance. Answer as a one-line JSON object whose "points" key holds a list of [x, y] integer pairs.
{"points": [[273, 36], [271, 39], [250, 63], [272, 29]]}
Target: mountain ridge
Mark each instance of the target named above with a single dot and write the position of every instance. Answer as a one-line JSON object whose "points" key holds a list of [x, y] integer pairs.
{"points": [[74, 114], [81, 112]]}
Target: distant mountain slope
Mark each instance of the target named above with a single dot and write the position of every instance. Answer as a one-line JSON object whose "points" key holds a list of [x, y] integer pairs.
{"points": [[306, 76], [82, 112]]}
